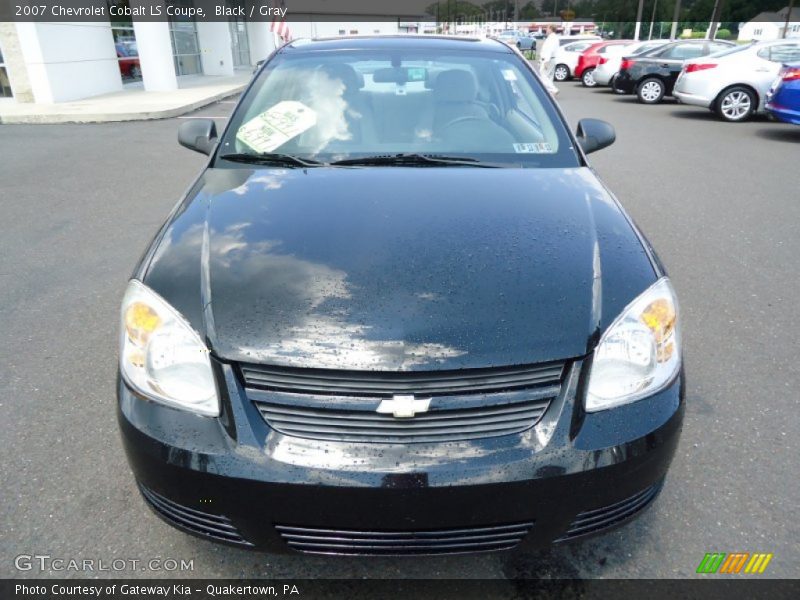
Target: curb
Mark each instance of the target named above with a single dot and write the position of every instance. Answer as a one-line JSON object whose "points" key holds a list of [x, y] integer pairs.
{"points": [[111, 117]]}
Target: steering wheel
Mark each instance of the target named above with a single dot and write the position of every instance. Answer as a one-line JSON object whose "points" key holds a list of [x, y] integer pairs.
{"points": [[465, 119], [493, 110]]}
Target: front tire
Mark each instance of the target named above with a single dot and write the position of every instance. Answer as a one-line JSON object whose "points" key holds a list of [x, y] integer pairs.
{"points": [[736, 104], [650, 91], [587, 79], [561, 73]]}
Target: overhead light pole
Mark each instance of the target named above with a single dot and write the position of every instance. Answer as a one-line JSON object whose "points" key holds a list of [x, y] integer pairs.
{"points": [[788, 18], [638, 29], [652, 20], [715, 16], [673, 33]]}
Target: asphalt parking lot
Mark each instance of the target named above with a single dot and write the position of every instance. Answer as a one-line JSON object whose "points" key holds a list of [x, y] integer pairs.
{"points": [[719, 201]]}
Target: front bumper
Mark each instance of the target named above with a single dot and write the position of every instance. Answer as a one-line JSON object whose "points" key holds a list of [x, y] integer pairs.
{"points": [[603, 76], [692, 99], [235, 480], [624, 83], [783, 113]]}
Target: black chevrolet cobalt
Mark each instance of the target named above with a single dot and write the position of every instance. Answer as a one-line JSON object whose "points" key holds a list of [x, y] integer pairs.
{"points": [[398, 313]]}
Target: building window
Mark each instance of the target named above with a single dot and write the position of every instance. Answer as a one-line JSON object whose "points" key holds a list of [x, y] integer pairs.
{"points": [[125, 44], [185, 47], [240, 43], [5, 85], [757, 31]]}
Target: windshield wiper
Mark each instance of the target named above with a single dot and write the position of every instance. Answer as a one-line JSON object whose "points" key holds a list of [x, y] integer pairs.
{"points": [[414, 159], [271, 158]]}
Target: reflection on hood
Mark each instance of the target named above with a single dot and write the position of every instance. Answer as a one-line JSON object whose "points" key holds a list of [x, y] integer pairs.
{"points": [[399, 269]]}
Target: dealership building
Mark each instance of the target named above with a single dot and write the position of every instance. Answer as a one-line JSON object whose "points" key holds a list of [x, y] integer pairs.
{"points": [[51, 62]]}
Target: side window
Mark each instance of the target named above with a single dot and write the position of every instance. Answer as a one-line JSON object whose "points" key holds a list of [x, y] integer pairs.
{"points": [[576, 47], [781, 53], [684, 51]]}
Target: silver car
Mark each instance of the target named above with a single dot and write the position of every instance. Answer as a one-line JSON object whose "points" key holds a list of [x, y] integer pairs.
{"points": [[734, 83]]}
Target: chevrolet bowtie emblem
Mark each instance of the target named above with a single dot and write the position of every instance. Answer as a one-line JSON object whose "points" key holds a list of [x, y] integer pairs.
{"points": [[403, 407]]}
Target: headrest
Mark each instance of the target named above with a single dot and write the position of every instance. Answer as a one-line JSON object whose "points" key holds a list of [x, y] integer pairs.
{"points": [[455, 85], [352, 79]]}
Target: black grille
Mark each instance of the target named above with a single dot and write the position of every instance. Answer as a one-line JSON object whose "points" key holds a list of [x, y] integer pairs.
{"points": [[593, 521], [365, 425], [204, 524], [442, 541], [388, 383]]}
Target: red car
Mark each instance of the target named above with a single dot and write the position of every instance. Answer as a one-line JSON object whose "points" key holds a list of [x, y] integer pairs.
{"points": [[591, 58], [128, 57]]}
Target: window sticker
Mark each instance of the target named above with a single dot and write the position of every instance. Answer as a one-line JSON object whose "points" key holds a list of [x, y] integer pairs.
{"points": [[509, 75], [533, 148], [276, 126]]}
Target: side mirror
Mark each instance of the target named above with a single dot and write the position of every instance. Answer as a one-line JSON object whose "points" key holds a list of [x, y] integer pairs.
{"points": [[199, 135], [594, 134], [258, 65]]}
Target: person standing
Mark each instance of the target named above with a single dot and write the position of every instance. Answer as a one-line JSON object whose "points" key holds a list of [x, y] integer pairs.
{"points": [[547, 59]]}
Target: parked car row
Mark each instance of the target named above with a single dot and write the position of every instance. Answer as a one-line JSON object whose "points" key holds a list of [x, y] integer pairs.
{"points": [[735, 84], [609, 66], [734, 81], [651, 76]]}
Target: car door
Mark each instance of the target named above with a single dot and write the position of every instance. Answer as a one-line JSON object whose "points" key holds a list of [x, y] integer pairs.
{"points": [[670, 60]]}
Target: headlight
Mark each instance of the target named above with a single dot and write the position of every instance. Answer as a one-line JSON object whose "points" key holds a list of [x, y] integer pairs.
{"points": [[640, 352], [161, 356]]}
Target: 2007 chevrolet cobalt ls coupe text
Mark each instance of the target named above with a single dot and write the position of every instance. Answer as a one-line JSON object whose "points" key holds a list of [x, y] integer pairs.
{"points": [[397, 313]]}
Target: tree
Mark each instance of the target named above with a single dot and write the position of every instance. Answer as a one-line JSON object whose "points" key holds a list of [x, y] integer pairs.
{"points": [[454, 10], [529, 12]]}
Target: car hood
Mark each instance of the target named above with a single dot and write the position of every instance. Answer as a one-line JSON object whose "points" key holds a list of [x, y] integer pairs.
{"points": [[398, 268]]}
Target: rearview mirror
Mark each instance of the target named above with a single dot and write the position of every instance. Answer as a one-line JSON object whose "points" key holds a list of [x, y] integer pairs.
{"points": [[594, 134], [199, 135], [400, 75]]}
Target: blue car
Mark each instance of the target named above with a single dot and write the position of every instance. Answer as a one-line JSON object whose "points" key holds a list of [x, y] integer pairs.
{"points": [[783, 100], [512, 37]]}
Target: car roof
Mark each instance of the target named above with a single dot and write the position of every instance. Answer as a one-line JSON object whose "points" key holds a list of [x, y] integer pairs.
{"points": [[601, 44], [767, 43], [701, 41], [402, 41]]}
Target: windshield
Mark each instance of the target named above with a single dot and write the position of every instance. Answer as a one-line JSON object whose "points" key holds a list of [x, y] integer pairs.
{"points": [[577, 46], [332, 106]]}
